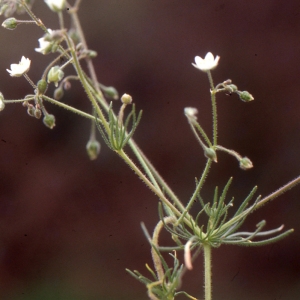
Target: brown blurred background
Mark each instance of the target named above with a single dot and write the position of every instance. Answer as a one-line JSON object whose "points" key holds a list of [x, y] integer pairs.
{"points": [[70, 226]]}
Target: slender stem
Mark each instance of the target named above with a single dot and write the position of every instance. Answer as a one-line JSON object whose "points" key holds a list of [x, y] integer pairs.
{"points": [[231, 152], [88, 60], [61, 20], [29, 80], [32, 15], [207, 271], [86, 85], [197, 190], [197, 136], [150, 170], [280, 191], [158, 193], [18, 100], [214, 108], [68, 107]]}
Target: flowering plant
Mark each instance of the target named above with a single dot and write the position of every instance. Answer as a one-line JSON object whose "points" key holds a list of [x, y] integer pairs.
{"points": [[192, 234]]}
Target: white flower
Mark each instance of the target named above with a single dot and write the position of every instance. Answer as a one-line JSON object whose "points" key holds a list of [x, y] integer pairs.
{"points": [[206, 64], [17, 70], [191, 112], [45, 46], [56, 5]]}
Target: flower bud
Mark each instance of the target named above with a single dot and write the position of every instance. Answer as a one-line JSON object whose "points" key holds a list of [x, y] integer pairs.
{"points": [[67, 85], [55, 75], [245, 96], [211, 154], [92, 53], [110, 92], [93, 149], [74, 36], [49, 121], [37, 113], [10, 23], [58, 93], [126, 99], [231, 88], [246, 163], [30, 110], [42, 86]]}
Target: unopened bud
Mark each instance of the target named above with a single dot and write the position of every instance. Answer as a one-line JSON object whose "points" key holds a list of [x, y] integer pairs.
{"points": [[10, 23], [74, 36], [30, 110], [110, 92], [93, 149], [42, 86], [92, 53], [126, 99], [67, 85], [37, 113], [245, 96], [49, 121], [231, 88], [211, 154], [246, 163], [58, 93]]}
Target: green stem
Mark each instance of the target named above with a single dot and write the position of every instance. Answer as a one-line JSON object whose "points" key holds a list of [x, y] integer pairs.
{"points": [[61, 20], [153, 173], [197, 190], [207, 271], [280, 191], [88, 60], [86, 86], [214, 108], [188, 220], [68, 107]]}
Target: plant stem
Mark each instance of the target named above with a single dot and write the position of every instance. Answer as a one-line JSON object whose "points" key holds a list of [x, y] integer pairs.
{"points": [[207, 271], [280, 191], [214, 108]]}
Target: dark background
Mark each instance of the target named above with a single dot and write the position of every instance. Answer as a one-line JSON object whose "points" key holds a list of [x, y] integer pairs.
{"points": [[70, 226]]}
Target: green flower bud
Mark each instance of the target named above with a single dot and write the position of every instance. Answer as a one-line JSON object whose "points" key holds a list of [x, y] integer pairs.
{"points": [[49, 121], [58, 93], [74, 36], [245, 96], [55, 75], [10, 23], [110, 92], [246, 163], [42, 86], [231, 88], [210, 153], [126, 99], [92, 53], [93, 149], [30, 110]]}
